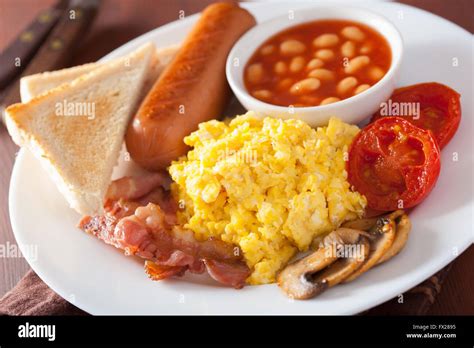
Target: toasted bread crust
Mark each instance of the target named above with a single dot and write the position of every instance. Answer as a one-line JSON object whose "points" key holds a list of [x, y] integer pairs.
{"points": [[81, 149]]}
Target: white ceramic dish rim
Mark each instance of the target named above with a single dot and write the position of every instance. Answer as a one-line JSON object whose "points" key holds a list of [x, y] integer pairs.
{"points": [[235, 76], [62, 288]]}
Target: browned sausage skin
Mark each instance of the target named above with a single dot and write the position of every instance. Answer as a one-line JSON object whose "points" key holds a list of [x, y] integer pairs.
{"points": [[193, 89]]}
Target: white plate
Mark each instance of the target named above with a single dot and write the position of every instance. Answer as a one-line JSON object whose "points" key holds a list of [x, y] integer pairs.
{"points": [[100, 280]]}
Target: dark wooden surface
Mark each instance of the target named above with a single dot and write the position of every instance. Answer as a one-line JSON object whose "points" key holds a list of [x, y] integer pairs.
{"points": [[122, 20]]}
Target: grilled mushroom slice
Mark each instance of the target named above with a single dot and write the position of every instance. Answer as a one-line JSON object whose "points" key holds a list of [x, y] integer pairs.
{"points": [[361, 224], [366, 224], [378, 238], [295, 279], [344, 267], [394, 215], [401, 237], [301, 280], [382, 236]]}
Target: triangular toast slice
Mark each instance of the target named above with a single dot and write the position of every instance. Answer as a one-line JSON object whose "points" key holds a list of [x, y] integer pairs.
{"points": [[34, 85], [77, 129]]}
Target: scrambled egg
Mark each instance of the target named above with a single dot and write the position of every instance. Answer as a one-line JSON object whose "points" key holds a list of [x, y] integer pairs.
{"points": [[269, 186]]}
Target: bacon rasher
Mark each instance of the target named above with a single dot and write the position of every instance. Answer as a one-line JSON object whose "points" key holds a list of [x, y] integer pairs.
{"points": [[140, 218]]}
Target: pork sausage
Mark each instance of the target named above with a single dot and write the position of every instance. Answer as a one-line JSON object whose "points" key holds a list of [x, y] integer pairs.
{"points": [[191, 90]]}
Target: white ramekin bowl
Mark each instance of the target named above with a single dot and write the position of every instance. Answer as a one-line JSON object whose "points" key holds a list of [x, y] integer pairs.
{"points": [[351, 110]]}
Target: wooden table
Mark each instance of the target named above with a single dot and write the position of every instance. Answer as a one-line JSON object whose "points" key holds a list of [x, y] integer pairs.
{"points": [[122, 20]]}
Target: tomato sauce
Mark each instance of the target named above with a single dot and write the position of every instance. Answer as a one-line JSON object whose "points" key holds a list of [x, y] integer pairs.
{"points": [[317, 63]]}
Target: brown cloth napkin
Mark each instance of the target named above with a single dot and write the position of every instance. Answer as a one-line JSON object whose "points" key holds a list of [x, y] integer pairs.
{"points": [[31, 296]]}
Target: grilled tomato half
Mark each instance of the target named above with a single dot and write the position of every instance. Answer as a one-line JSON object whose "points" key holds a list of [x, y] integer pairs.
{"points": [[393, 163], [439, 109]]}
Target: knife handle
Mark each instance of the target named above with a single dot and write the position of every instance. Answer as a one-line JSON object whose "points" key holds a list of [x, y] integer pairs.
{"points": [[57, 49], [17, 55]]}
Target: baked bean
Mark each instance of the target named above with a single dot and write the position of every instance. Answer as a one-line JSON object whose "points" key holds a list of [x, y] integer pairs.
{"points": [[356, 64], [280, 68], [317, 63], [353, 33], [297, 64], [292, 47], [325, 54], [366, 48], [309, 100], [267, 49], [361, 88], [314, 64], [348, 49], [262, 94], [329, 100], [326, 40], [255, 73], [285, 84], [346, 85], [322, 74], [305, 86], [375, 73]]}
